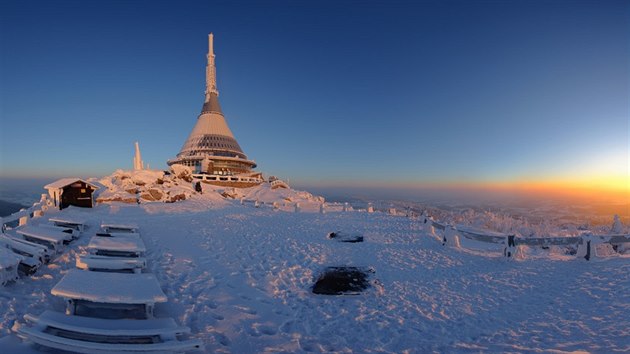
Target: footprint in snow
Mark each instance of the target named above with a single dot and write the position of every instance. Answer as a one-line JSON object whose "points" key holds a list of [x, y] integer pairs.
{"points": [[259, 329], [245, 309]]}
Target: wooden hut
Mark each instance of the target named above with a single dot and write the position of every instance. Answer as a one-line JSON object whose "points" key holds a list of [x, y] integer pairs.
{"points": [[71, 191]]}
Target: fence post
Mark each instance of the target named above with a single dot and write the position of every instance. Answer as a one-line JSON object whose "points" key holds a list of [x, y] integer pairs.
{"points": [[451, 238], [321, 209], [23, 220], [242, 200], [428, 226], [510, 243], [586, 249], [370, 208], [297, 207]]}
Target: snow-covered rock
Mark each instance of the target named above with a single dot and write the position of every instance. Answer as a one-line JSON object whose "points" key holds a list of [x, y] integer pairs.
{"points": [[143, 186]]}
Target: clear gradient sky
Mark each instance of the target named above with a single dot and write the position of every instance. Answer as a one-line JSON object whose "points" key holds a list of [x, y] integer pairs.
{"points": [[400, 93]]}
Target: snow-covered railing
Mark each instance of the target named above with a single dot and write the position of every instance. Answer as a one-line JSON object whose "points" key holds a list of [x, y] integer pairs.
{"points": [[586, 243], [23, 216], [326, 207]]}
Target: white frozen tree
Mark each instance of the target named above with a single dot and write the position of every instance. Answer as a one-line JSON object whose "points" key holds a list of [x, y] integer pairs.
{"points": [[617, 226]]}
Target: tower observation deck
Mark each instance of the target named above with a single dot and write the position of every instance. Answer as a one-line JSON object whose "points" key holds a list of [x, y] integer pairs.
{"points": [[211, 150]]}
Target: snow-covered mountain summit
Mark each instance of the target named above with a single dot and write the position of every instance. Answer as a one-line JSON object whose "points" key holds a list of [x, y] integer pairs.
{"points": [[145, 186]]}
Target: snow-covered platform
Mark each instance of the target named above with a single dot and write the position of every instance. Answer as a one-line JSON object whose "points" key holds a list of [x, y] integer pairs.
{"points": [[240, 277]]}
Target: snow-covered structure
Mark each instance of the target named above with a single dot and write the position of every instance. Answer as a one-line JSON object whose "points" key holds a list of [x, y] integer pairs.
{"points": [[138, 164], [71, 191], [211, 148]]}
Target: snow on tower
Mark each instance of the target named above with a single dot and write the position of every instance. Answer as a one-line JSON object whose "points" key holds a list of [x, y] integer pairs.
{"points": [[138, 164], [211, 149]]}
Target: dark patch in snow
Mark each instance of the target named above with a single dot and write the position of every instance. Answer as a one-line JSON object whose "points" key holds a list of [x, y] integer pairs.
{"points": [[342, 281], [342, 237]]}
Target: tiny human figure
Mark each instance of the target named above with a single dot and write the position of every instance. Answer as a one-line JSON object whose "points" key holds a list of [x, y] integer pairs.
{"points": [[198, 187]]}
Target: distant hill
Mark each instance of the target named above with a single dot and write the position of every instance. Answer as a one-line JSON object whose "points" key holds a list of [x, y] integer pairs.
{"points": [[8, 208]]}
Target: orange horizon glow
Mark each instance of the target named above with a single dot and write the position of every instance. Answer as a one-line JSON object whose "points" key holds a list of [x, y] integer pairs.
{"points": [[615, 188]]}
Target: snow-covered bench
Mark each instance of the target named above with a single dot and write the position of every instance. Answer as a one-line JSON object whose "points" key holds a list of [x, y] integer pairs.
{"points": [[50, 238], [117, 247], [106, 263], [28, 249], [95, 335], [109, 227], [70, 231], [9, 262], [29, 263], [103, 294], [79, 225], [118, 234]]}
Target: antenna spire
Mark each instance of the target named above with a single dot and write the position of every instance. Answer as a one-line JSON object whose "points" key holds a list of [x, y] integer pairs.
{"points": [[211, 70]]}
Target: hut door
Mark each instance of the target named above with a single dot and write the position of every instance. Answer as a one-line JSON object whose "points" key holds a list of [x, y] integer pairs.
{"points": [[77, 195]]}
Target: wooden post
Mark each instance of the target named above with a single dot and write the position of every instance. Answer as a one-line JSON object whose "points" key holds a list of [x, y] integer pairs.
{"points": [[428, 227], [586, 249], [451, 238], [510, 243]]}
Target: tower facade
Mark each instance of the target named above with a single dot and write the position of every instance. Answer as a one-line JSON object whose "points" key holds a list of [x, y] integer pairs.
{"points": [[211, 150]]}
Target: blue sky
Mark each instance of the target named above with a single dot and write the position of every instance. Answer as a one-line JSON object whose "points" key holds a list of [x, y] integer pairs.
{"points": [[332, 92]]}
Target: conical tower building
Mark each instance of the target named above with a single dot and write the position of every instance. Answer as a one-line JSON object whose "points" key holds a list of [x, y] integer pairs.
{"points": [[211, 150]]}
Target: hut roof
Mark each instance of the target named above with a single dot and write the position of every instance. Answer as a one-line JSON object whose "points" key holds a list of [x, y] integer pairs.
{"points": [[66, 182]]}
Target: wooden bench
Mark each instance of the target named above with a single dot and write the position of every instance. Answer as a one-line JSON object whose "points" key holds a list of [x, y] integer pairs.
{"points": [[52, 239], [107, 227], [133, 295], [118, 234], [26, 248], [94, 335], [78, 225], [9, 262], [70, 231], [106, 263], [128, 247]]}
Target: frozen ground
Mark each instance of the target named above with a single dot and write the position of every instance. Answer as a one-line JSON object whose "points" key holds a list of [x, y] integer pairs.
{"points": [[240, 278]]}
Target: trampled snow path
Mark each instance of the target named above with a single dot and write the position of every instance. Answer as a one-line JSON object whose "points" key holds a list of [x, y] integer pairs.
{"points": [[240, 278]]}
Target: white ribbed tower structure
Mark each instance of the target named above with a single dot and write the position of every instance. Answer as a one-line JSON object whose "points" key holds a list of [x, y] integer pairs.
{"points": [[211, 150]]}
